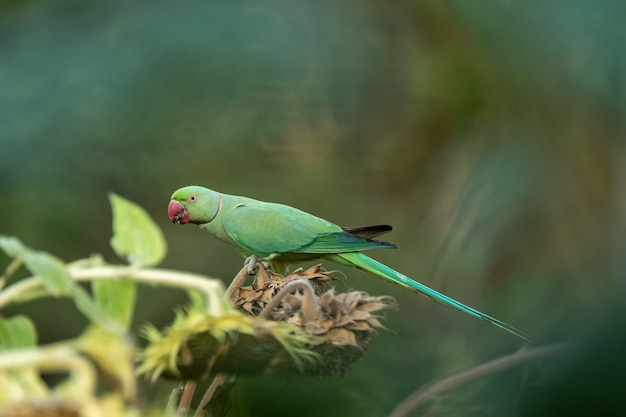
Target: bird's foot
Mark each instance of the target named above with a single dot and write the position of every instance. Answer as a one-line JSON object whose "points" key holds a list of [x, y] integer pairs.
{"points": [[252, 261]]}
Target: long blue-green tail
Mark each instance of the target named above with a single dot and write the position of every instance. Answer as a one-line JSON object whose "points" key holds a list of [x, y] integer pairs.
{"points": [[369, 265]]}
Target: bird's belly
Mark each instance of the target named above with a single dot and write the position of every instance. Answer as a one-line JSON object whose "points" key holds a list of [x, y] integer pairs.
{"points": [[283, 261]]}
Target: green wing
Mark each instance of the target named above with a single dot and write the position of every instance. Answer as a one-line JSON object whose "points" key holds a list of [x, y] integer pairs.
{"points": [[267, 228], [343, 242]]}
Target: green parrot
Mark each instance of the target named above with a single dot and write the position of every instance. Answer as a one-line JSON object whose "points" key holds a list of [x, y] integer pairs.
{"points": [[283, 235]]}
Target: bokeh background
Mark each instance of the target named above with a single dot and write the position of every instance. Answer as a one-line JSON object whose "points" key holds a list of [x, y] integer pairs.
{"points": [[489, 134]]}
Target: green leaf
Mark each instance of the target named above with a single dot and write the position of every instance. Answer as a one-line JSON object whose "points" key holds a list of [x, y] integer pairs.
{"points": [[135, 235], [116, 299], [51, 270], [86, 305], [11, 246], [17, 332]]}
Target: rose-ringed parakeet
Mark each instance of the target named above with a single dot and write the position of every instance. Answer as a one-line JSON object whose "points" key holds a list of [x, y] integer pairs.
{"points": [[284, 235]]}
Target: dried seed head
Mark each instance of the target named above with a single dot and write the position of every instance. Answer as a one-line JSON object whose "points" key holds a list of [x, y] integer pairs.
{"points": [[288, 324], [343, 324], [253, 298]]}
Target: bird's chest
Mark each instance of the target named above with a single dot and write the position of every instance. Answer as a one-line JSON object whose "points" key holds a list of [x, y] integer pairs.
{"points": [[217, 230]]}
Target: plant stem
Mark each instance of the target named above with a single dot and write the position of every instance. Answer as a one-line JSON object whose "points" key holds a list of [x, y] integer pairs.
{"points": [[217, 381], [186, 397], [10, 269], [432, 390], [286, 290], [56, 357], [236, 282], [211, 288], [220, 378]]}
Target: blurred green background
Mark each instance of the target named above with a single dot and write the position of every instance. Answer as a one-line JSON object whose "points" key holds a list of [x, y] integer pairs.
{"points": [[489, 134]]}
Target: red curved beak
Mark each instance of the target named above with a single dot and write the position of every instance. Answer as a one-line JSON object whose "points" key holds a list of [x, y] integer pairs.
{"points": [[177, 213]]}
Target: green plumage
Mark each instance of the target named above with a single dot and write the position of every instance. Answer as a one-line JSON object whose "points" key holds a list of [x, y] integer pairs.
{"points": [[284, 235]]}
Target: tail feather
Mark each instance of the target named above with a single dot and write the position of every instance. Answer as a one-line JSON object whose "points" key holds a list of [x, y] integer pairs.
{"points": [[369, 265]]}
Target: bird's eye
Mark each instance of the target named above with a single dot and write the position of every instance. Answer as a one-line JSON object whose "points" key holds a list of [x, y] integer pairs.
{"points": [[192, 198]]}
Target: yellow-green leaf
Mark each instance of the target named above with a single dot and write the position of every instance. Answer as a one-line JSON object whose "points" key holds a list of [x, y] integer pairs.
{"points": [[86, 305], [116, 299], [17, 332], [11, 246], [135, 235], [51, 270]]}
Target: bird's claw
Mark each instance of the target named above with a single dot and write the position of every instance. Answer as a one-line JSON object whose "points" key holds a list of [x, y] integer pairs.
{"points": [[251, 262]]}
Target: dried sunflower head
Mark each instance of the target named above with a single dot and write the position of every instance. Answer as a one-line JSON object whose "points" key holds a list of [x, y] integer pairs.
{"points": [[281, 324], [342, 324], [253, 298]]}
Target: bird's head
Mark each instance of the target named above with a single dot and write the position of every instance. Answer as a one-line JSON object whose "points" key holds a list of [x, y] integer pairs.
{"points": [[194, 204]]}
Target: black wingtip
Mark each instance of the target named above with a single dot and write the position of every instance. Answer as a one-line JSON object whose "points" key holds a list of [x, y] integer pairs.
{"points": [[368, 232]]}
